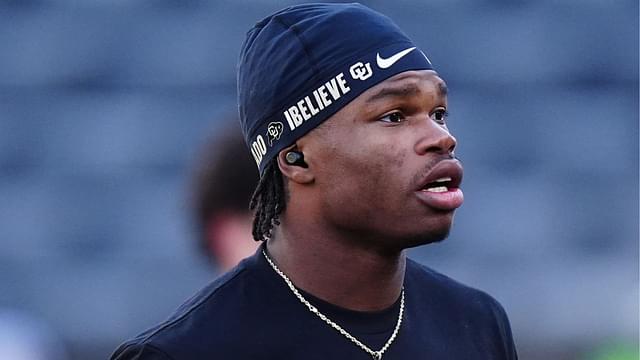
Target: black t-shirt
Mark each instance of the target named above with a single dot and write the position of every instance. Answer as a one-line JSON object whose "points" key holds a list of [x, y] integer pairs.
{"points": [[250, 313]]}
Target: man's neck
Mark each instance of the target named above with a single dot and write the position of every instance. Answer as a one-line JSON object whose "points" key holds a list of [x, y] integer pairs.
{"points": [[338, 270]]}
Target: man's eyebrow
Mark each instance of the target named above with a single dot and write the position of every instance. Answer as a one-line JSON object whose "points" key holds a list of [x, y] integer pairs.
{"points": [[444, 90], [407, 90]]}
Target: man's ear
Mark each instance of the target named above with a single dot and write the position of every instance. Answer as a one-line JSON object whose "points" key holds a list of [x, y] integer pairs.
{"points": [[296, 171]]}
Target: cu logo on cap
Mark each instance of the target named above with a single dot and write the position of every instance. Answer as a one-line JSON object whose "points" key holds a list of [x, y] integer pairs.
{"points": [[274, 130], [360, 71]]}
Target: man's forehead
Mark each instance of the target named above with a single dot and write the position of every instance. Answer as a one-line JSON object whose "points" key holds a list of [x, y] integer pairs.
{"points": [[409, 83]]}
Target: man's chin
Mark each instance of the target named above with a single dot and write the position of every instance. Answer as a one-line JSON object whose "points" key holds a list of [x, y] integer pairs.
{"points": [[428, 238]]}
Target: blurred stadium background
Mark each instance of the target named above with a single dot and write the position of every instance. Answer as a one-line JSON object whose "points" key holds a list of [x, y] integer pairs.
{"points": [[104, 103]]}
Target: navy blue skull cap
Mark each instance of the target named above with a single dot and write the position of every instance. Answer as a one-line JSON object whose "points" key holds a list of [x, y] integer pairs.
{"points": [[302, 64]]}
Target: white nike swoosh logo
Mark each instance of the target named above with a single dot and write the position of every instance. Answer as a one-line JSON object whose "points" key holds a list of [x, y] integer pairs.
{"points": [[385, 63]]}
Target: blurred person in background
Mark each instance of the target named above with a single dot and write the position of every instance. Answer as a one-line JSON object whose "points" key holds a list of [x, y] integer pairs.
{"points": [[222, 185]]}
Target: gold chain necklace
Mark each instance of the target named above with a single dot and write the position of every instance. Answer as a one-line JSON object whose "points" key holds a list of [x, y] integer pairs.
{"points": [[377, 355]]}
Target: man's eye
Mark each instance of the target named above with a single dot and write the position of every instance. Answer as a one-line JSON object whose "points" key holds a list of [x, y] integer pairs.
{"points": [[440, 116], [394, 117]]}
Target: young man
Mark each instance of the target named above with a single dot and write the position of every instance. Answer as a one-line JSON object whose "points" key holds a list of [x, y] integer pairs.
{"points": [[346, 120]]}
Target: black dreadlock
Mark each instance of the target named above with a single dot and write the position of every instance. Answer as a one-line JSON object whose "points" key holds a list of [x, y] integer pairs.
{"points": [[268, 201]]}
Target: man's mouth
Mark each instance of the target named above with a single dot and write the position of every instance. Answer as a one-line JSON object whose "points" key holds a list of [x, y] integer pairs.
{"points": [[440, 189], [439, 186]]}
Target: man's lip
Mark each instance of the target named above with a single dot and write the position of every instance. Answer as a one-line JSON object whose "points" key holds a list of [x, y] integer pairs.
{"points": [[445, 201], [446, 168]]}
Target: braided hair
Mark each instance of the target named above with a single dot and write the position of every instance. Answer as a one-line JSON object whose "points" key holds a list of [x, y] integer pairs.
{"points": [[268, 201]]}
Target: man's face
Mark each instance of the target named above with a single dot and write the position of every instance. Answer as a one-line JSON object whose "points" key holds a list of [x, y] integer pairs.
{"points": [[383, 165]]}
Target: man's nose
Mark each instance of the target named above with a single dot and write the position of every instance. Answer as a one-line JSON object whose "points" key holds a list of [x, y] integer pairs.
{"points": [[435, 138]]}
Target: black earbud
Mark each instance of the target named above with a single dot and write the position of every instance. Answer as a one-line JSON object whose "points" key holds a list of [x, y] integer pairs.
{"points": [[295, 158]]}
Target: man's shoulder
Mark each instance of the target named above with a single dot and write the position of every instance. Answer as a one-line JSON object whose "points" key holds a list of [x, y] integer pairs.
{"points": [[462, 309], [452, 293], [218, 308]]}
